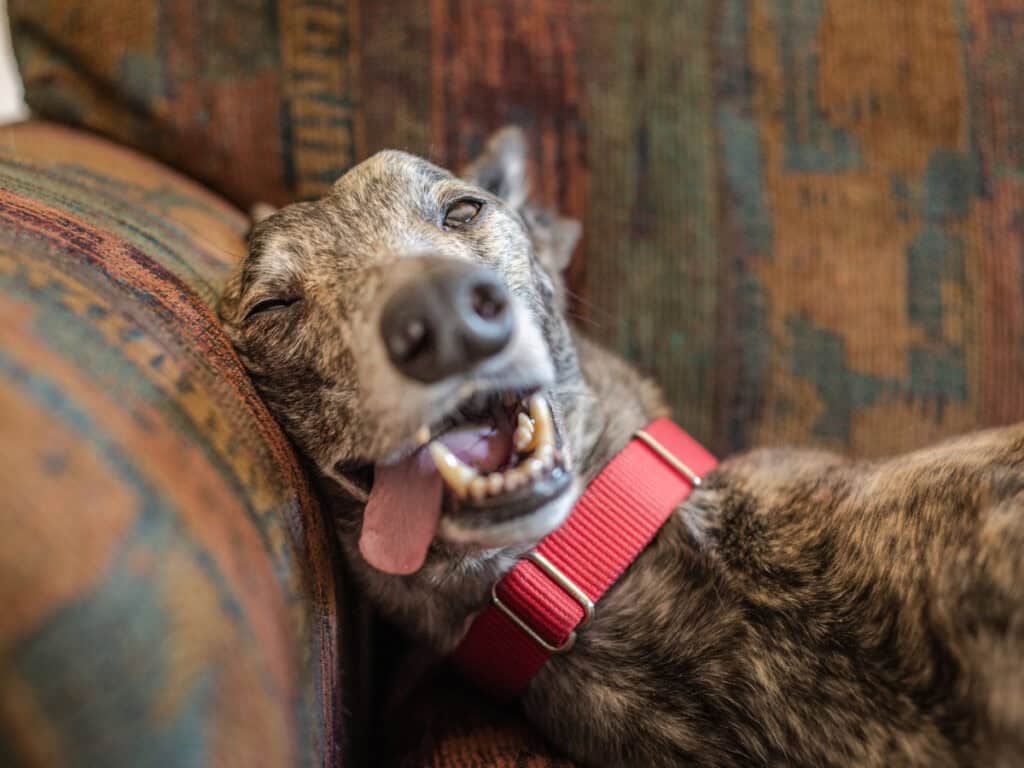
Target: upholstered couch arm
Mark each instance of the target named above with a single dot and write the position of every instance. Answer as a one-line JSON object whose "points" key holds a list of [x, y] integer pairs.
{"points": [[167, 582]]}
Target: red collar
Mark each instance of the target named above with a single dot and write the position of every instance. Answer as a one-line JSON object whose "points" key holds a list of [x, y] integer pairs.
{"points": [[538, 607]]}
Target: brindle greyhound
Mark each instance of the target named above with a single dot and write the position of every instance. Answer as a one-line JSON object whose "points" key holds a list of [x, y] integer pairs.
{"points": [[408, 331]]}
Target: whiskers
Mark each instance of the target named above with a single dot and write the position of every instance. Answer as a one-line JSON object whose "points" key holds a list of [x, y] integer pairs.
{"points": [[578, 302]]}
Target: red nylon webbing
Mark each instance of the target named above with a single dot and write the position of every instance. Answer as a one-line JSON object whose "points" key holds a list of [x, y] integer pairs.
{"points": [[611, 524]]}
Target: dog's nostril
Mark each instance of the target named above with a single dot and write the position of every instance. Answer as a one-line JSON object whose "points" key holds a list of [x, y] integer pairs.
{"points": [[408, 339], [489, 300]]}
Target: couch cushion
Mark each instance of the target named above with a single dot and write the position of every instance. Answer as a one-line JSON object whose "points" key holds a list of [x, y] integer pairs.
{"points": [[167, 581]]}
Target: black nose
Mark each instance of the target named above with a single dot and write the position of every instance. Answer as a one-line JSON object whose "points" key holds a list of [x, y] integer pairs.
{"points": [[446, 320]]}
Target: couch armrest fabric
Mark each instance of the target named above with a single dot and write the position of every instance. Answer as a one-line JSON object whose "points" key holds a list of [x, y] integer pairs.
{"points": [[167, 582]]}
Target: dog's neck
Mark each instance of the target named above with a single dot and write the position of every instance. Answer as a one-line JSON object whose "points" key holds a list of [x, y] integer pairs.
{"points": [[618, 402], [439, 601]]}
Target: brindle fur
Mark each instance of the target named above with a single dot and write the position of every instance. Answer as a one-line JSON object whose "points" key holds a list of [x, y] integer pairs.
{"points": [[799, 609]]}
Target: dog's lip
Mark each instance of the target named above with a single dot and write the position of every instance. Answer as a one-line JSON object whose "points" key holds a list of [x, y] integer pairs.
{"points": [[471, 515]]}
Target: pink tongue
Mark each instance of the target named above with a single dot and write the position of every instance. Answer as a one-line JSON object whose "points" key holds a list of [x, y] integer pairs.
{"points": [[404, 507], [401, 514]]}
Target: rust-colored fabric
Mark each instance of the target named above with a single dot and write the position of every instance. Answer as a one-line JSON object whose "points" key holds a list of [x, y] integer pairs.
{"points": [[451, 725], [252, 97], [802, 217], [168, 583]]}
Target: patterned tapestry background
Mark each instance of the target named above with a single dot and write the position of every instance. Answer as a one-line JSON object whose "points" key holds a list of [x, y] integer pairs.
{"points": [[805, 217]]}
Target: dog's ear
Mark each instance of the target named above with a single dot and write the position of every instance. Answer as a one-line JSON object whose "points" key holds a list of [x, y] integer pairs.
{"points": [[554, 237], [257, 213], [501, 168], [231, 294], [564, 237]]}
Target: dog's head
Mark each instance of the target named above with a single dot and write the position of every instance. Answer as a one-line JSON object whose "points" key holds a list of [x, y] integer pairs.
{"points": [[407, 331]]}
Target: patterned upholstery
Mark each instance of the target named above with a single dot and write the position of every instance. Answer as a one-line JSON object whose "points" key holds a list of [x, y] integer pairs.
{"points": [[168, 584], [804, 217], [252, 97], [451, 725]]}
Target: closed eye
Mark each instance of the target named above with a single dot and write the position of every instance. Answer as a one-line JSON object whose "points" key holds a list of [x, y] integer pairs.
{"points": [[269, 305]]}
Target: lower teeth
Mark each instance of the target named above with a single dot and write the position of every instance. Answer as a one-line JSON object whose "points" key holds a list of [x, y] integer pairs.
{"points": [[534, 433], [478, 488]]}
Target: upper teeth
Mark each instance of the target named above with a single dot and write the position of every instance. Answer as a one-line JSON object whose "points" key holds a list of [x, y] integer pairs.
{"points": [[457, 474], [534, 434], [543, 427], [523, 437]]}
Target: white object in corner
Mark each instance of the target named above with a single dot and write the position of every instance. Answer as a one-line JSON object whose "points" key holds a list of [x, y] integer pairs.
{"points": [[12, 100]]}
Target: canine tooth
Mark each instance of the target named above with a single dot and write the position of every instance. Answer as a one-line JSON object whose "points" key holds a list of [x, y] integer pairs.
{"points": [[522, 439], [523, 436], [456, 474], [543, 427], [478, 488], [495, 483], [423, 435], [535, 468]]}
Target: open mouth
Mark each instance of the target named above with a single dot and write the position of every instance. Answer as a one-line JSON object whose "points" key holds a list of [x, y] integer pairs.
{"points": [[503, 468], [488, 474]]}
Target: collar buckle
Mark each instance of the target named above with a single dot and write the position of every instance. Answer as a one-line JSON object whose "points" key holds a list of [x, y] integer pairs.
{"points": [[567, 586], [668, 457]]}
